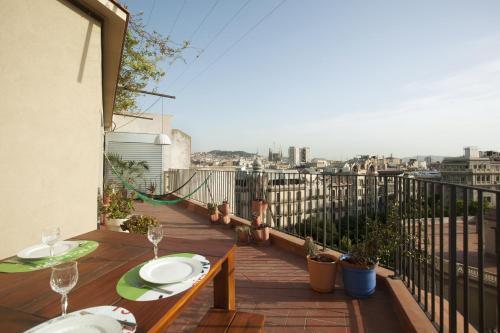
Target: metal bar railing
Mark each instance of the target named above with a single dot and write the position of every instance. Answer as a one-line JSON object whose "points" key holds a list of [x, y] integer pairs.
{"points": [[449, 274]]}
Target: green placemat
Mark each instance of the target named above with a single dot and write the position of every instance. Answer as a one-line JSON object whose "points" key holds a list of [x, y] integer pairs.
{"points": [[132, 287], [85, 247]]}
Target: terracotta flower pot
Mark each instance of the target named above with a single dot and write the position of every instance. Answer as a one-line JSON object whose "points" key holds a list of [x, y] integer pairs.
{"points": [[322, 275], [259, 207], [256, 220], [224, 209], [261, 234], [225, 219], [214, 217]]}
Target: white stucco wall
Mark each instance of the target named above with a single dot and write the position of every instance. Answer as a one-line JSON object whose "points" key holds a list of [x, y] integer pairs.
{"points": [[175, 156], [50, 131]]}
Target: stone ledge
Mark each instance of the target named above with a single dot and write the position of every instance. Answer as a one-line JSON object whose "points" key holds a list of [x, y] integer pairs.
{"points": [[411, 315]]}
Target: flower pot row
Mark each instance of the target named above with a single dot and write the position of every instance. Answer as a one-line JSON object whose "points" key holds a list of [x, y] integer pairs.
{"points": [[219, 213]]}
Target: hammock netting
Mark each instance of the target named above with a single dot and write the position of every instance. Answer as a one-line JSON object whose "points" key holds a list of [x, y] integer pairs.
{"points": [[153, 201]]}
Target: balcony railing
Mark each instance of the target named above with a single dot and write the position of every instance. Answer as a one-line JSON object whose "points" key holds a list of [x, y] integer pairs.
{"points": [[451, 226]]}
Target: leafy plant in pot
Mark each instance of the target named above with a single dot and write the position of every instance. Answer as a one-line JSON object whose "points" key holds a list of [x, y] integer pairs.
{"points": [[322, 268], [243, 234], [213, 213], [139, 224], [360, 263], [118, 210]]}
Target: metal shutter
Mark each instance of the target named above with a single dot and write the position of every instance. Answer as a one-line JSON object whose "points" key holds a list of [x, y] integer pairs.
{"points": [[138, 151]]}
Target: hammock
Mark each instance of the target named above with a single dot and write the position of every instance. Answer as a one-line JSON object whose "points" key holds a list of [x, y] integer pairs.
{"points": [[150, 200]]}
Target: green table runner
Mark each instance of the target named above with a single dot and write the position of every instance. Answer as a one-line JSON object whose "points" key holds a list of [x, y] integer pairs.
{"points": [[20, 265], [132, 287]]}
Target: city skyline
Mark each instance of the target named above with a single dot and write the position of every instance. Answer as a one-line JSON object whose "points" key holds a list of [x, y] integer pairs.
{"points": [[342, 78]]}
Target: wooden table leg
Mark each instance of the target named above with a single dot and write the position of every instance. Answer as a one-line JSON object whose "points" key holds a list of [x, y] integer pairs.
{"points": [[224, 292]]}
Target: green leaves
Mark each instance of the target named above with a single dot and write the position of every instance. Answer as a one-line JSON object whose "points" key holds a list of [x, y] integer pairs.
{"points": [[139, 224], [143, 53]]}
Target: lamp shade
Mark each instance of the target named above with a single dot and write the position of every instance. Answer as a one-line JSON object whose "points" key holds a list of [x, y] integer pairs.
{"points": [[162, 139]]}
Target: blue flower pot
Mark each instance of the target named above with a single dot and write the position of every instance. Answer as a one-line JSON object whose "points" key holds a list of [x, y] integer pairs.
{"points": [[359, 282]]}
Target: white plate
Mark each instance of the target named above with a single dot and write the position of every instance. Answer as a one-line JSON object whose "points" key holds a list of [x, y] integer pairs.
{"points": [[76, 324], [42, 251], [170, 270]]}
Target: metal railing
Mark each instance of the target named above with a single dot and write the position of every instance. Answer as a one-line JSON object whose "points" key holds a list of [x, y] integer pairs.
{"points": [[448, 261]]}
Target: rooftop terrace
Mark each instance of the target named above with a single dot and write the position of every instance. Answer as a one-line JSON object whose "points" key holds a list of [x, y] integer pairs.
{"points": [[275, 282]]}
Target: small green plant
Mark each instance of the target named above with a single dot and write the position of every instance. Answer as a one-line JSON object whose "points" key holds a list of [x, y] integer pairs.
{"points": [[139, 224], [151, 188], [119, 206], [242, 229], [212, 208], [346, 243], [312, 251], [310, 247]]}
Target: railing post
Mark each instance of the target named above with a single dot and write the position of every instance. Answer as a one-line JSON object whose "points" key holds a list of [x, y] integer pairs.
{"points": [[497, 248], [324, 211], [452, 247]]}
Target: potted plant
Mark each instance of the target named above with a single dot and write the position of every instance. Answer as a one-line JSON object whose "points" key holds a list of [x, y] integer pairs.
{"points": [[139, 224], [243, 233], [359, 270], [322, 268], [360, 263], [151, 188], [118, 210], [259, 206], [108, 190], [260, 230], [225, 210], [213, 213]]}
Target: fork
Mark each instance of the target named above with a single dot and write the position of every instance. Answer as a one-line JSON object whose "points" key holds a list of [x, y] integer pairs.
{"points": [[147, 286], [125, 324]]}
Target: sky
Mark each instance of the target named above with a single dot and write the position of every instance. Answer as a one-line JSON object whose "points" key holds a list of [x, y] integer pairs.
{"points": [[342, 77]]}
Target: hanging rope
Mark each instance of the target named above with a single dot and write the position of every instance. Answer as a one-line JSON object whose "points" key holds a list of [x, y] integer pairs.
{"points": [[182, 186], [148, 199]]}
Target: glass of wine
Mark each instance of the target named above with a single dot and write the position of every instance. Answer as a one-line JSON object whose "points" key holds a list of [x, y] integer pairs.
{"points": [[63, 278], [50, 236], [155, 234]]}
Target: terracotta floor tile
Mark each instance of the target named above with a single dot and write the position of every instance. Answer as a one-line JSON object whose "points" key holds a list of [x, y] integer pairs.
{"points": [[275, 283]]}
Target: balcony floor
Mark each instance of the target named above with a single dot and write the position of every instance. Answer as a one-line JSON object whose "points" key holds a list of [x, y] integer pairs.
{"points": [[275, 283]]}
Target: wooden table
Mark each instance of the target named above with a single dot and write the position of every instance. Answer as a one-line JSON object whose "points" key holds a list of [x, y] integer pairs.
{"points": [[27, 300]]}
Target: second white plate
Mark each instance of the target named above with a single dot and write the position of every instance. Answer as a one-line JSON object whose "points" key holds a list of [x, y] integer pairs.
{"points": [[42, 251], [170, 270], [88, 323]]}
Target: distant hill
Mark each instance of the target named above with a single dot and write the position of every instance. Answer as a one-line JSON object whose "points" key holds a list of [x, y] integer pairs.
{"points": [[231, 153]]}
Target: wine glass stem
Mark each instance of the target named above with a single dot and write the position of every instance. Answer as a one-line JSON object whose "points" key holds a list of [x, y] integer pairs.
{"points": [[51, 252], [64, 303], [156, 251]]}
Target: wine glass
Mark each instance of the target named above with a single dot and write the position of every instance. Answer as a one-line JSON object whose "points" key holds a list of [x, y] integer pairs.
{"points": [[63, 278], [50, 236], [155, 234]]}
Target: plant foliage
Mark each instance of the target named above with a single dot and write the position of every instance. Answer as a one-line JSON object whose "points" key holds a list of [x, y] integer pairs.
{"points": [[139, 224], [119, 206], [143, 53]]}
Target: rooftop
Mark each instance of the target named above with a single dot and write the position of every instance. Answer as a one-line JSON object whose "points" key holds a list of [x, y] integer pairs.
{"points": [[275, 282]]}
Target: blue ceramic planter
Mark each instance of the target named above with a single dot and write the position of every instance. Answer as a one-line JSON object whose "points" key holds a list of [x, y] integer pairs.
{"points": [[358, 282]]}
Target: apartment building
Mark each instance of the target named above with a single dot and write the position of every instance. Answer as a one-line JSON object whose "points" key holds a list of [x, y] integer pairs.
{"points": [[474, 168]]}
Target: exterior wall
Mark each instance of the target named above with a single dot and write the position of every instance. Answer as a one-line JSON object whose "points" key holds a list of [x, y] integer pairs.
{"points": [[175, 156], [51, 131], [180, 151]]}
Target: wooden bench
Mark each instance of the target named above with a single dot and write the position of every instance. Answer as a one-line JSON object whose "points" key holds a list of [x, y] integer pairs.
{"points": [[222, 321]]}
